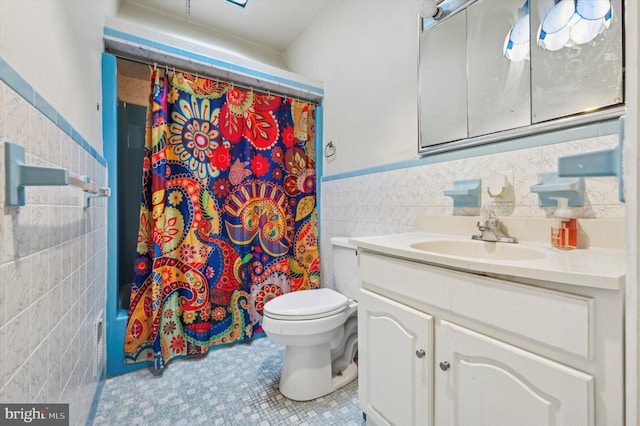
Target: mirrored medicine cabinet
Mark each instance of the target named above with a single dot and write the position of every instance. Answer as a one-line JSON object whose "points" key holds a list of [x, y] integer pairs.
{"points": [[495, 69]]}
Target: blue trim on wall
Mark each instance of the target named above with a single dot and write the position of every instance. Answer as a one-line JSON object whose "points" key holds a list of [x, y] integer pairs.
{"points": [[110, 141], [319, 116], [110, 32], [96, 399], [24, 89], [116, 318], [590, 130]]}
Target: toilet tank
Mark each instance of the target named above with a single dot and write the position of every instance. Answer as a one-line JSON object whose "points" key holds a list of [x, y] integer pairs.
{"points": [[345, 267]]}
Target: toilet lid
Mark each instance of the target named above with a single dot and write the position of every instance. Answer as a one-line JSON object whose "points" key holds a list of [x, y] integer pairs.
{"points": [[306, 304]]}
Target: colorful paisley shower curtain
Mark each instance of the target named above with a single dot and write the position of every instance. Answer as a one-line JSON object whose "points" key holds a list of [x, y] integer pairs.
{"points": [[228, 216]]}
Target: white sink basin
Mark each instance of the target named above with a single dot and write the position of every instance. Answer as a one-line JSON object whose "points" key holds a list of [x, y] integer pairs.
{"points": [[592, 267], [479, 249]]}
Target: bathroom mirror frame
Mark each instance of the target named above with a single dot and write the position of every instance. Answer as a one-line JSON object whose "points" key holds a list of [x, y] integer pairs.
{"points": [[453, 7]]}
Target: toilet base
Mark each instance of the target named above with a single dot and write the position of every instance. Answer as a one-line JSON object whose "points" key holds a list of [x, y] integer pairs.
{"points": [[347, 376], [306, 373]]}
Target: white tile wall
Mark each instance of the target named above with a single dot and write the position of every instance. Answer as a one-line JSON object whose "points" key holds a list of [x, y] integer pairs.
{"points": [[52, 269], [391, 201]]}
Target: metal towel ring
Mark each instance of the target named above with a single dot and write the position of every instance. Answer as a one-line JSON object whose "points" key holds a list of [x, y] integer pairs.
{"points": [[329, 150]]}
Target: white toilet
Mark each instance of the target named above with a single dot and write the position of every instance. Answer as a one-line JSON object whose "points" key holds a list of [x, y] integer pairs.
{"points": [[319, 328]]}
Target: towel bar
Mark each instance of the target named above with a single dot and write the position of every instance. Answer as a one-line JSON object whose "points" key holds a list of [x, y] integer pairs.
{"points": [[19, 175]]}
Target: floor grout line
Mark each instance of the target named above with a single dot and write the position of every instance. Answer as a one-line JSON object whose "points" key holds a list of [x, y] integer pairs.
{"points": [[236, 385]]}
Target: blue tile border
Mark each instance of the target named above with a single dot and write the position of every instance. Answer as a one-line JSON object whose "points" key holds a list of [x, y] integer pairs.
{"points": [[46, 108], [591, 130], [96, 399], [188, 54], [17, 83], [24, 89]]}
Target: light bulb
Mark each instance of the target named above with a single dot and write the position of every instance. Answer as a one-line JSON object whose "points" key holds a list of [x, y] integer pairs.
{"points": [[430, 9]]}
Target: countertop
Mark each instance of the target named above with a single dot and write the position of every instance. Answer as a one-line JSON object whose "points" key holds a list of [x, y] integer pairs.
{"points": [[592, 267]]}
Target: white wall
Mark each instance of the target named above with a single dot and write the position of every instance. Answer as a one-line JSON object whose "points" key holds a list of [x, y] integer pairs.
{"points": [[56, 47], [365, 53], [632, 185], [146, 23]]}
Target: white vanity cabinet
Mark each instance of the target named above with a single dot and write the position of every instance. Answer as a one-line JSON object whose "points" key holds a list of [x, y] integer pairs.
{"points": [[395, 367], [486, 382], [496, 352]]}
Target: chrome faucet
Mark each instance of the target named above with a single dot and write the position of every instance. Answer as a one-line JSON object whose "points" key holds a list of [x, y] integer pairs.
{"points": [[491, 228]]}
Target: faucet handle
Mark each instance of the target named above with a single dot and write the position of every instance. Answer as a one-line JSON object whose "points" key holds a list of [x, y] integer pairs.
{"points": [[489, 212]]}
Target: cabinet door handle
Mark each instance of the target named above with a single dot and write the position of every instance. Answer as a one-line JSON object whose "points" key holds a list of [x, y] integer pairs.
{"points": [[420, 353], [444, 365]]}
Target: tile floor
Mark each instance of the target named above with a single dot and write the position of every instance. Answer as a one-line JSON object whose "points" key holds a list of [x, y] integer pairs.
{"points": [[236, 385]]}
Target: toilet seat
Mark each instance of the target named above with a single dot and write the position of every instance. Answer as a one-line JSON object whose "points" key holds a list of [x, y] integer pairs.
{"points": [[306, 305]]}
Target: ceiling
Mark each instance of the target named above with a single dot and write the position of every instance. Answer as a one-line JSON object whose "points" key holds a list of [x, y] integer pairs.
{"points": [[270, 23]]}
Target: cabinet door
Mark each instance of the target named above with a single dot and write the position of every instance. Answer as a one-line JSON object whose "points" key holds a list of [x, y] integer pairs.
{"points": [[499, 88], [394, 377], [480, 381], [443, 81], [578, 76]]}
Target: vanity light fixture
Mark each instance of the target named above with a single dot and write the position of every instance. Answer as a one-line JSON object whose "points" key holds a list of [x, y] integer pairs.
{"points": [[430, 9], [571, 22], [187, 6], [567, 23], [433, 12], [516, 44], [241, 3]]}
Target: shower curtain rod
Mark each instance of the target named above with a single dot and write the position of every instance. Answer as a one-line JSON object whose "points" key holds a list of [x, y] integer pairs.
{"points": [[224, 78]]}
